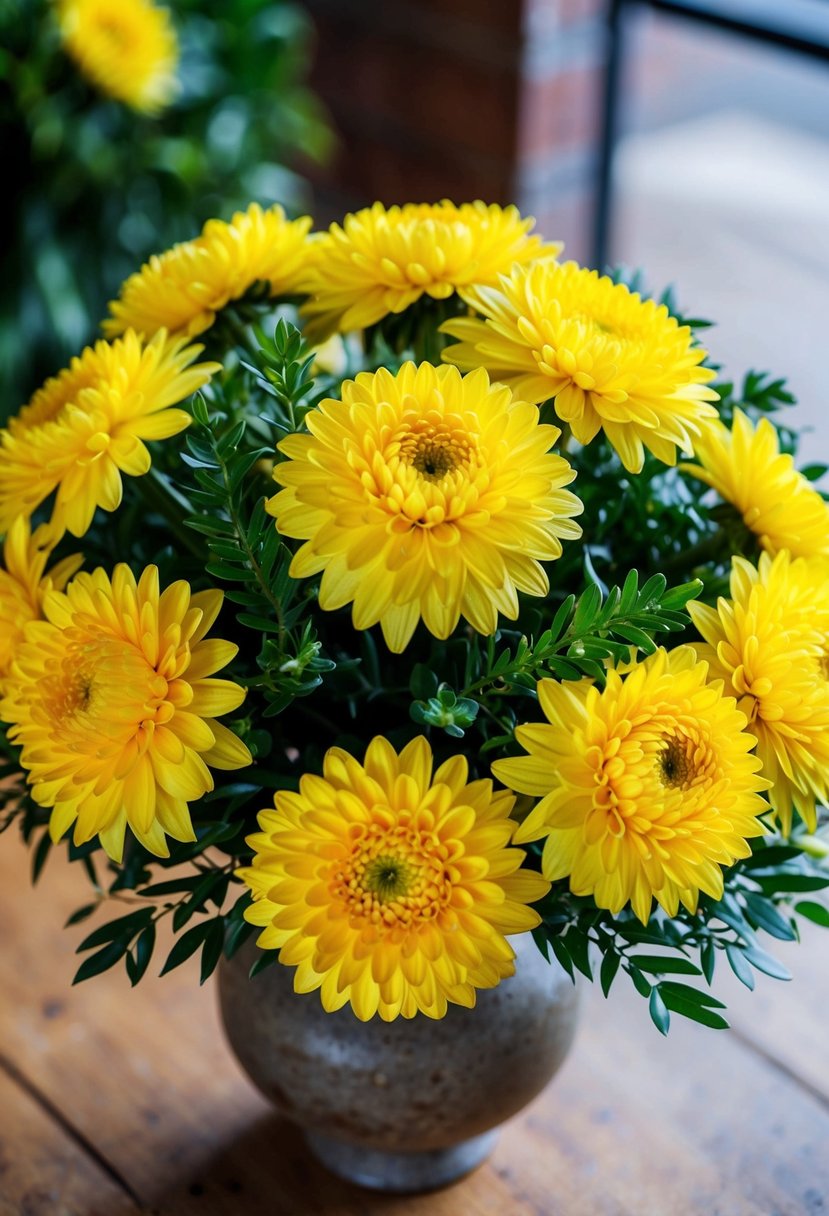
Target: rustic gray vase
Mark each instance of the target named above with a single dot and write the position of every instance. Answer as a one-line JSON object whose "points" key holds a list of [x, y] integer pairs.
{"points": [[408, 1105]]}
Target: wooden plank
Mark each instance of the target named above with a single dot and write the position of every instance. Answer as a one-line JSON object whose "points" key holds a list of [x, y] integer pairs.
{"points": [[698, 1125], [786, 1021], [43, 1171]]}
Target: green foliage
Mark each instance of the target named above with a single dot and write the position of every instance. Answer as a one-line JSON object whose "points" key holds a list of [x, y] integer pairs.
{"points": [[446, 710], [586, 636], [758, 898], [98, 187]]}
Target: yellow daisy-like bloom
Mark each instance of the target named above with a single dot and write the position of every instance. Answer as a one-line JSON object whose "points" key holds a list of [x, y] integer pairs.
{"points": [[125, 48], [746, 468], [611, 361], [388, 887], [770, 643], [24, 582], [424, 494], [112, 702], [381, 260], [86, 427], [182, 289], [647, 788]]}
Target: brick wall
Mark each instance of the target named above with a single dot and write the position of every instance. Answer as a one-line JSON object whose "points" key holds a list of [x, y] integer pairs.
{"points": [[492, 99]]}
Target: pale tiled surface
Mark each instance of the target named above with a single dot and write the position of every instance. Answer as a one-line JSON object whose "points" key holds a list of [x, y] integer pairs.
{"points": [[734, 209]]}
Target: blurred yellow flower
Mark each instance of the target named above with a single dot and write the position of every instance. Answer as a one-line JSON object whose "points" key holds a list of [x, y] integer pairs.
{"points": [[424, 494], [746, 468], [24, 582], [182, 289], [111, 701], [770, 643], [87, 426], [647, 787], [125, 48], [389, 887], [610, 360], [381, 260]]}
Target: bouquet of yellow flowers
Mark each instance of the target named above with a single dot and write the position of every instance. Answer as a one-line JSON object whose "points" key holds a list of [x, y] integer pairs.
{"points": [[381, 621]]}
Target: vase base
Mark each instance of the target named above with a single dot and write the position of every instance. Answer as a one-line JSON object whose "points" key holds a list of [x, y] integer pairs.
{"points": [[401, 1173]]}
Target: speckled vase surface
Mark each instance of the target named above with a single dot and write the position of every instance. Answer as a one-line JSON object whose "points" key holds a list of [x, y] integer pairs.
{"points": [[408, 1105]]}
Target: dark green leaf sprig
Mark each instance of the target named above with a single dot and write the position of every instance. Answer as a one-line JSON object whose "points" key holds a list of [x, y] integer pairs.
{"points": [[765, 892], [587, 634]]}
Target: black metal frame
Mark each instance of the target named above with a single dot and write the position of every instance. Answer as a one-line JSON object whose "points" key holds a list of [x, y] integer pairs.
{"points": [[711, 13]]}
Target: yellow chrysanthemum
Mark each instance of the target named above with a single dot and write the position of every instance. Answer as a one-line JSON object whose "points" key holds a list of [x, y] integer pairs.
{"points": [[424, 494], [611, 361], [388, 887], [125, 48], [24, 582], [770, 643], [746, 468], [647, 788], [182, 289], [384, 259], [111, 701], [86, 427]]}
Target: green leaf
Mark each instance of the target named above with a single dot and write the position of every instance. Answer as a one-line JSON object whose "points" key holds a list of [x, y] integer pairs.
{"points": [[561, 617], [563, 956], [80, 914], [542, 942], [764, 915], [642, 986], [266, 959], [172, 886], [665, 965], [578, 947], [779, 884], [586, 609], [138, 961], [238, 933], [653, 589], [677, 597], [630, 592], [213, 947], [186, 945], [124, 927], [102, 961], [708, 959], [40, 855], [739, 966], [766, 856], [608, 970], [671, 990], [696, 1013], [636, 636], [813, 911], [764, 962], [660, 1016], [230, 441]]}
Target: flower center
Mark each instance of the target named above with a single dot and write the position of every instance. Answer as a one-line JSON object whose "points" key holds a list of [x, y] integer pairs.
{"points": [[105, 678], [435, 450], [387, 877], [675, 765], [433, 460], [394, 876], [73, 693]]}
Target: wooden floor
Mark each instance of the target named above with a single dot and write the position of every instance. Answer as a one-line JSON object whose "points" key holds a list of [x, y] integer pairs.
{"points": [[115, 1102]]}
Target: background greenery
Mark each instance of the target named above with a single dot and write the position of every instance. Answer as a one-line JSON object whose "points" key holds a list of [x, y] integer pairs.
{"points": [[96, 187]]}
